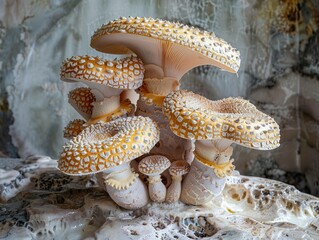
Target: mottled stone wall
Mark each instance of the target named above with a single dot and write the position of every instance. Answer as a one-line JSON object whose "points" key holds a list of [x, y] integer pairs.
{"points": [[278, 41]]}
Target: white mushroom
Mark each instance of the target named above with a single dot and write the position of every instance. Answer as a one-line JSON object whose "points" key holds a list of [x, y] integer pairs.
{"points": [[109, 148], [215, 125], [153, 166], [168, 50], [177, 170]]}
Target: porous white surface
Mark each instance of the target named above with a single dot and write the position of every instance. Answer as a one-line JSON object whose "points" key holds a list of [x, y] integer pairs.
{"points": [[63, 207]]}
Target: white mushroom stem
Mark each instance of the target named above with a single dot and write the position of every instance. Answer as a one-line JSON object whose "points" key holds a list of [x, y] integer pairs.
{"points": [[207, 175], [156, 188], [161, 86], [125, 188], [174, 190], [105, 106], [169, 145], [211, 150]]}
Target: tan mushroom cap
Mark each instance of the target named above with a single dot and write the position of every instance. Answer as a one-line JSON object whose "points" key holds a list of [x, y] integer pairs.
{"points": [[146, 36], [105, 145], [126, 73], [192, 116], [179, 168], [155, 164], [81, 99], [73, 128]]}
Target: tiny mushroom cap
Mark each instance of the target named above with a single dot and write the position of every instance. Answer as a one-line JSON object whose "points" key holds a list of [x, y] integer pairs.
{"points": [[126, 73], [105, 145], [174, 47], [73, 128], [179, 168], [154, 165], [81, 99], [192, 116]]}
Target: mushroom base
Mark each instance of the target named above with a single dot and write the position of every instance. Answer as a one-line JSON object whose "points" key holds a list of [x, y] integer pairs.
{"points": [[156, 189], [201, 184], [170, 145], [130, 192], [174, 191], [136, 196]]}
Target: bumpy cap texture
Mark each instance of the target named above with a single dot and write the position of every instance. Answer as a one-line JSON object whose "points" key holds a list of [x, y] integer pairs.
{"points": [[105, 145], [192, 116], [126, 73], [203, 42]]}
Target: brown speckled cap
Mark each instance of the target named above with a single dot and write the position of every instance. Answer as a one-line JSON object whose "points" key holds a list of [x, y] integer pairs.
{"points": [[155, 164]]}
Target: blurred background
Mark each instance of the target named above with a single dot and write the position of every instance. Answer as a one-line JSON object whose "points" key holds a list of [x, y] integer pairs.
{"points": [[279, 45]]}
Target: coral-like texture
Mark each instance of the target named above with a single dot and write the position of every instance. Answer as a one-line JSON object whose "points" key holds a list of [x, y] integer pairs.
{"points": [[71, 207]]}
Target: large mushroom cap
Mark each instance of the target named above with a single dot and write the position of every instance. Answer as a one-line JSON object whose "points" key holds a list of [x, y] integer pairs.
{"points": [[155, 164], [106, 145], [192, 116], [175, 47], [126, 73], [81, 99]]}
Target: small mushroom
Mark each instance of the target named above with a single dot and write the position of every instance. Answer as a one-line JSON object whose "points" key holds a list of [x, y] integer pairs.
{"points": [[153, 166], [107, 80], [177, 170], [168, 50], [109, 148], [73, 128], [82, 99], [215, 125]]}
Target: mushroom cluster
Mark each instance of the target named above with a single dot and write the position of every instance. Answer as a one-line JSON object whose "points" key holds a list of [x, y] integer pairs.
{"points": [[106, 80], [146, 149], [215, 125]]}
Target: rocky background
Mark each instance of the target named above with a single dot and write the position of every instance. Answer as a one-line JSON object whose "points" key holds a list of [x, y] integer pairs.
{"points": [[279, 45]]}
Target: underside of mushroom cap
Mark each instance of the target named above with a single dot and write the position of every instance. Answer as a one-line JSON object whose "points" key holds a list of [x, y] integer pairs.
{"points": [[155, 164], [81, 99], [192, 116], [105, 145], [186, 47], [125, 108], [126, 73]]}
